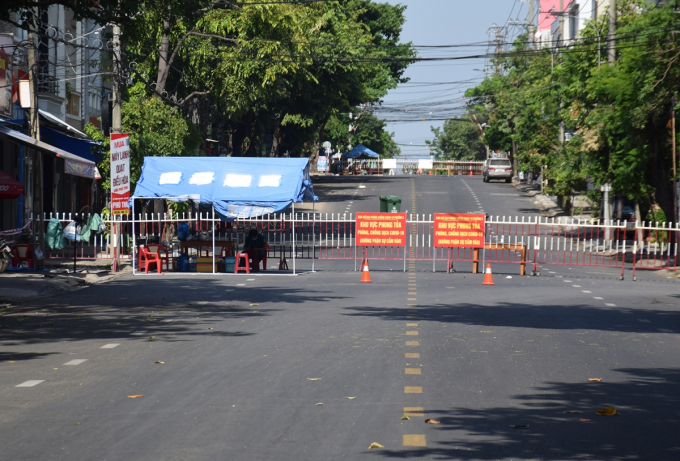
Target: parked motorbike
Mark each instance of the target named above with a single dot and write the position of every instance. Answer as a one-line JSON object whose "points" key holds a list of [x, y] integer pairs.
{"points": [[5, 255]]}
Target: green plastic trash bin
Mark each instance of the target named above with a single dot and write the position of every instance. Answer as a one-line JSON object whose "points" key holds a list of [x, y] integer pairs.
{"points": [[390, 204]]}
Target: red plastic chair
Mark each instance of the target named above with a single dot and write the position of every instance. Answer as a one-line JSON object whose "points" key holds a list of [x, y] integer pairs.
{"points": [[21, 253], [146, 258], [162, 253], [237, 264]]}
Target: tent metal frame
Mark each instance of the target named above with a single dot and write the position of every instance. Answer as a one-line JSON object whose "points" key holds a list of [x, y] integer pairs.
{"points": [[134, 236]]}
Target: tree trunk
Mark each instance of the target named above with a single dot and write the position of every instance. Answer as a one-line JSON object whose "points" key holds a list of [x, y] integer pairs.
{"points": [[314, 156], [661, 171], [514, 159], [275, 138], [163, 64], [240, 133]]}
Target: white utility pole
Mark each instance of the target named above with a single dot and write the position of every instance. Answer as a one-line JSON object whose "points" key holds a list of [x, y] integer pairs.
{"points": [[116, 122]]}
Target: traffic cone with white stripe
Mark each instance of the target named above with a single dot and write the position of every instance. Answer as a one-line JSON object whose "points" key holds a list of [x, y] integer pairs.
{"points": [[365, 274], [470, 173], [488, 278]]}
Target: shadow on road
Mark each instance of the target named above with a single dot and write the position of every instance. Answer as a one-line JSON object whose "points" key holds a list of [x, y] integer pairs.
{"points": [[646, 429], [162, 309], [556, 317]]}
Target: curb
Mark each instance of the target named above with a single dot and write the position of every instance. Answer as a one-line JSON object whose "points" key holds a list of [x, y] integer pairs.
{"points": [[542, 202]]}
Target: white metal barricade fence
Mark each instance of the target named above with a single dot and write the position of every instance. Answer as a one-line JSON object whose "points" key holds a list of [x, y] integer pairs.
{"points": [[526, 240]]}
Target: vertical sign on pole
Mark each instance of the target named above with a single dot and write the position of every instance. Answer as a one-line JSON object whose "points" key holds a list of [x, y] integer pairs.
{"points": [[120, 186], [120, 173]]}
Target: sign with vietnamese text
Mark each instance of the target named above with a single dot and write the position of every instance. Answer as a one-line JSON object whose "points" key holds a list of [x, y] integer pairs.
{"points": [[76, 168], [322, 163], [120, 173], [381, 229], [458, 230]]}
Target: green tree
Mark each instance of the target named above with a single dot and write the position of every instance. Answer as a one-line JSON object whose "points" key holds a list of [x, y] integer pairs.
{"points": [[458, 139], [156, 130], [369, 131]]}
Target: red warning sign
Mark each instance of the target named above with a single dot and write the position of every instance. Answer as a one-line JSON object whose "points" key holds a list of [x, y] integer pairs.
{"points": [[458, 230], [381, 229]]}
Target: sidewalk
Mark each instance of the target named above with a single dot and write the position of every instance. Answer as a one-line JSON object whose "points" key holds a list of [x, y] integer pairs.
{"points": [[543, 202], [24, 286]]}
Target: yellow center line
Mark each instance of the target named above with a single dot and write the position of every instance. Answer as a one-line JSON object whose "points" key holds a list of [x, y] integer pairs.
{"points": [[414, 411], [414, 440]]}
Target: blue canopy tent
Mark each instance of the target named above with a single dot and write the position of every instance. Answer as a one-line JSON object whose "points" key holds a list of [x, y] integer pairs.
{"points": [[361, 152], [233, 187]]}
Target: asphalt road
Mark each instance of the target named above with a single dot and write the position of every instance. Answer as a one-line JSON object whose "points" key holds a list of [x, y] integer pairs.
{"points": [[424, 195], [247, 361]]}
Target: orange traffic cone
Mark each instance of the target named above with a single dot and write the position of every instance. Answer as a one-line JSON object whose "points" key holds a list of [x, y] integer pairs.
{"points": [[365, 274], [470, 173], [488, 278]]}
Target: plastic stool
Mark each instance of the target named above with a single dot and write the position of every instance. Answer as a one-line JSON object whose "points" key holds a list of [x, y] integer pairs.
{"points": [[237, 264]]}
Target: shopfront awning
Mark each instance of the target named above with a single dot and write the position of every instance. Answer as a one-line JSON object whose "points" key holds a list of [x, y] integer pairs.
{"points": [[84, 148], [75, 163]]}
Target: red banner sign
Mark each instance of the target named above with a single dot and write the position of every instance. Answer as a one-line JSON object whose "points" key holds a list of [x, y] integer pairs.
{"points": [[458, 230], [120, 173], [381, 229]]}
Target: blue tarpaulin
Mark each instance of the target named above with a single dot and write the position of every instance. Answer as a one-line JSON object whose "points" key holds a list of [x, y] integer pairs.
{"points": [[361, 151], [85, 148], [236, 187]]}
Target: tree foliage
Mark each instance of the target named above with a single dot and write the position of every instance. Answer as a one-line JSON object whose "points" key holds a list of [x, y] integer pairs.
{"points": [[615, 117], [369, 131], [155, 128], [458, 139]]}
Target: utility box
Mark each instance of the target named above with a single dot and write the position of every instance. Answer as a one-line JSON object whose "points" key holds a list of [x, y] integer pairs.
{"points": [[390, 204]]}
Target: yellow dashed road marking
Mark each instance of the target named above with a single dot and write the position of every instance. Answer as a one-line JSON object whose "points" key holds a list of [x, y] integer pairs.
{"points": [[411, 333], [411, 324], [414, 411], [413, 390], [412, 371], [412, 355], [411, 299], [414, 440], [413, 343]]}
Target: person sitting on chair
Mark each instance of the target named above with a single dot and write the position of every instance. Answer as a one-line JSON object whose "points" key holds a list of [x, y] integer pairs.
{"points": [[254, 246]]}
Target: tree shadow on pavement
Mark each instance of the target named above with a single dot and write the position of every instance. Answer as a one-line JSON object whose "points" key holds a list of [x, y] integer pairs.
{"points": [[646, 429], [557, 317], [163, 309]]}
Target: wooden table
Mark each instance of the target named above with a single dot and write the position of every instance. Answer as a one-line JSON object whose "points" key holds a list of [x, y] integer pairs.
{"points": [[521, 247], [184, 246]]}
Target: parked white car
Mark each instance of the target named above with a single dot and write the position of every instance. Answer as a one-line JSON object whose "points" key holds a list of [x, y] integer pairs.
{"points": [[497, 168]]}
